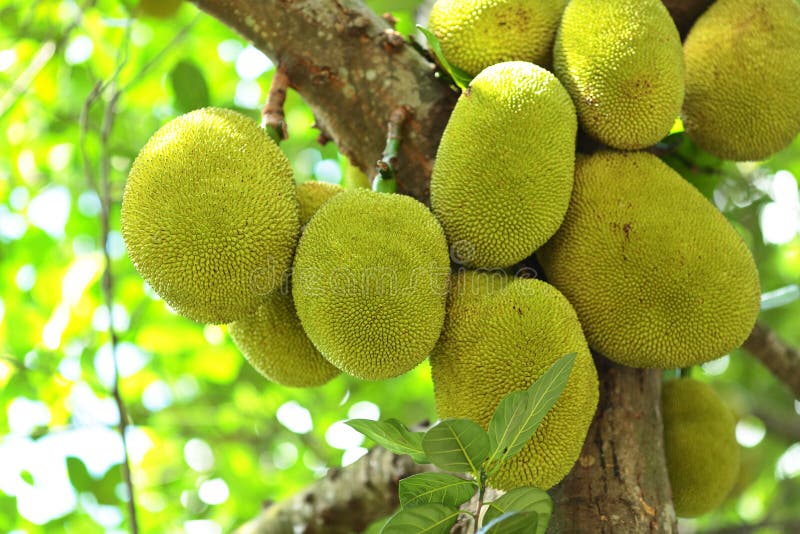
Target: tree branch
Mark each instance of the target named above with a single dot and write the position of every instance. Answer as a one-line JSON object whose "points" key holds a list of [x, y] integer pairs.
{"points": [[780, 358], [353, 70], [346, 500]]}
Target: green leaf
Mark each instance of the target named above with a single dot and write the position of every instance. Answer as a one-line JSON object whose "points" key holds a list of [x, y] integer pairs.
{"points": [[526, 499], [438, 488], [460, 77], [26, 476], [512, 523], [429, 518], [519, 414], [391, 434], [458, 445], [79, 475], [105, 489], [189, 86], [780, 297]]}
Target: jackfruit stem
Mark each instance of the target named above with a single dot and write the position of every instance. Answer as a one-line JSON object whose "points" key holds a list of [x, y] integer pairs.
{"points": [[387, 165], [272, 116], [481, 495]]}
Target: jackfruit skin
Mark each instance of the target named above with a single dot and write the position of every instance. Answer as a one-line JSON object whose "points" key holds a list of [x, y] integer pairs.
{"points": [[700, 446], [622, 63], [503, 173], [475, 34], [312, 195], [742, 71], [274, 343], [657, 275], [500, 335], [370, 282], [210, 216], [160, 9]]}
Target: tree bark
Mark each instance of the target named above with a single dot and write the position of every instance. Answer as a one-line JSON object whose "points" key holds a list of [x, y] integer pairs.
{"points": [[344, 501], [619, 483], [353, 70]]}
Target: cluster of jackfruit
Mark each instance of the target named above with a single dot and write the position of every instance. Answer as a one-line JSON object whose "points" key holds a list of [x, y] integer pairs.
{"points": [[317, 280], [656, 275], [212, 220]]}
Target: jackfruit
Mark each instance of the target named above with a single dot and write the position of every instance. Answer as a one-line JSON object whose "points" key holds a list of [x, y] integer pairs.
{"points": [[500, 335], [370, 281], [272, 338], [700, 446], [658, 276], [354, 177], [210, 216], [742, 70], [273, 341], [312, 195], [160, 9], [622, 63], [475, 34], [503, 173]]}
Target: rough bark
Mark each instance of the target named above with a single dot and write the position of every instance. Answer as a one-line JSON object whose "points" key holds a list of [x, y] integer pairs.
{"points": [[780, 358], [619, 483], [353, 70], [344, 501]]}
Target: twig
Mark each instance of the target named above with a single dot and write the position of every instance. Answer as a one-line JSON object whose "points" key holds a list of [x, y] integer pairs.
{"points": [[103, 190], [272, 117], [779, 357], [387, 165]]}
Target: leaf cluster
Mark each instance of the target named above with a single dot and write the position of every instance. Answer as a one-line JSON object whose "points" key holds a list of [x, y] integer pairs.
{"points": [[432, 502]]}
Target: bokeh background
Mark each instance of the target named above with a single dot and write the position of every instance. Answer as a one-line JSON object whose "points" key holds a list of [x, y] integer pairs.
{"points": [[82, 87]]}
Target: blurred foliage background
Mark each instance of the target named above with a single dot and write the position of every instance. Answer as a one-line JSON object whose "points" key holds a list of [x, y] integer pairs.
{"points": [[82, 87]]}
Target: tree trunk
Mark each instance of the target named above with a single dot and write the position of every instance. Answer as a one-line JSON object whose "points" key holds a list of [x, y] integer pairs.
{"points": [[353, 70], [619, 483]]}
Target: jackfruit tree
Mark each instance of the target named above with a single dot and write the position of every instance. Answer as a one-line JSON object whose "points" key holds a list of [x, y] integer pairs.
{"points": [[548, 241]]}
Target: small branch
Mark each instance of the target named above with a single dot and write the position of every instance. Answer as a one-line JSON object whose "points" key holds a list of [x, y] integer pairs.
{"points": [[345, 500], [780, 358], [272, 117], [103, 190], [387, 165]]}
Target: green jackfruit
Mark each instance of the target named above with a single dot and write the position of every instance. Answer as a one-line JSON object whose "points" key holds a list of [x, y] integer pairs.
{"points": [[500, 335], [475, 34], [504, 169], [273, 341], [354, 177], [622, 62], [312, 195], [657, 275], [370, 281], [700, 446], [742, 73], [210, 215]]}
